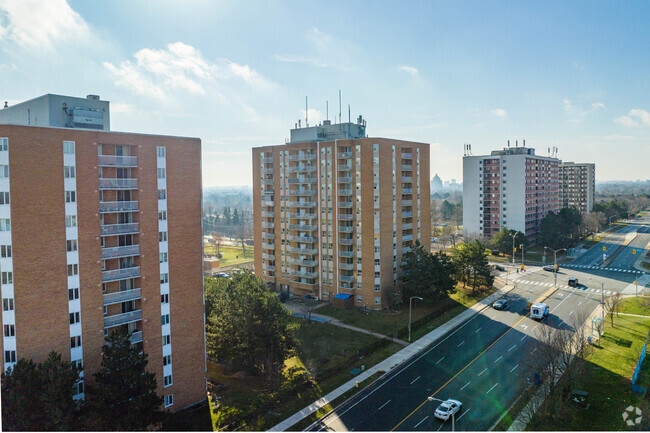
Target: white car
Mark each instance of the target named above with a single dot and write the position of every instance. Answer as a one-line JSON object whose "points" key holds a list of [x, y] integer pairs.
{"points": [[447, 408]]}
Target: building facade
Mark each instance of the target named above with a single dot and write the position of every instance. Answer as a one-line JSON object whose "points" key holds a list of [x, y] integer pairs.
{"points": [[101, 231], [334, 214], [511, 188], [577, 185]]}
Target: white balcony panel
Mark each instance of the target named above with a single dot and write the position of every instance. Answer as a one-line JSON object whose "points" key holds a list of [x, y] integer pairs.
{"points": [[167, 348], [4, 158], [9, 343], [163, 246], [75, 329], [69, 184], [166, 330], [167, 369], [5, 211], [162, 225], [164, 309], [69, 159], [9, 316], [77, 352], [73, 257], [74, 305], [5, 237], [164, 289], [73, 281], [162, 205], [164, 267], [71, 233], [71, 208], [162, 183]]}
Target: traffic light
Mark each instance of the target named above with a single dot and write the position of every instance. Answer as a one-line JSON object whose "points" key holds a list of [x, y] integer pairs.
{"points": [[634, 251], [604, 248], [556, 266]]}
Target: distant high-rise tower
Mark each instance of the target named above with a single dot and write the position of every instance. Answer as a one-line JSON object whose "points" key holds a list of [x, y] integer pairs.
{"points": [[436, 184], [577, 185]]}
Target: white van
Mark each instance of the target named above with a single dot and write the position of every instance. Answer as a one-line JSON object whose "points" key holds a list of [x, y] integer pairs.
{"points": [[538, 311]]}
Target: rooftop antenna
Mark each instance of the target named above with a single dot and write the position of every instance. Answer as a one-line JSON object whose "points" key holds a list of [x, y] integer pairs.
{"points": [[508, 143], [516, 143], [349, 118], [306, 114], [524, 143], [327, 110], [339, 105]]}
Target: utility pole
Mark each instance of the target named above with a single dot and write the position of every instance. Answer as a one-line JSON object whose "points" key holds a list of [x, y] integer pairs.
{"points": [[522, 256], [602, 299], [513, 247], [555, 261]]}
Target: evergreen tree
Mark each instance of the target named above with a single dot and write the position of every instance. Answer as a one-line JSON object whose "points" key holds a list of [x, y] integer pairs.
{"points": [[472, 264], [427, 275], [235, 218]]}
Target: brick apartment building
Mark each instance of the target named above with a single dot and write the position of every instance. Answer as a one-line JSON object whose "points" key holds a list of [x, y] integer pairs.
{"points": [[511, 188], [578, 185], [100, 231], [334, 211]]}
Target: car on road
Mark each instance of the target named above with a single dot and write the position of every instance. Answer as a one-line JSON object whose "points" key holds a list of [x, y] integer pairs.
{"points": [[550, 268], [500, 304], [539, 311], [499, 268], [447, 408], [573, 282]]}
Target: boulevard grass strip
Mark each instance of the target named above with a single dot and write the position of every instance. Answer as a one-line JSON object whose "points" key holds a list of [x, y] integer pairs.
{"points": [[389, 323], [230, 255], [306, 422], [639, 305], [594, 240], [606, 376], [245, 394]]}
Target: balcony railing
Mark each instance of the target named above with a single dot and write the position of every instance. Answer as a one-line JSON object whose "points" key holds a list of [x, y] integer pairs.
{"points": [[304, 227], [302, 180], [407, 214], [302, 191], [117, 161], [346, 241], [303, 274], [268, 225], [302, 169], [303, 262], [308, 204], [308, 251], [266, 256], [407, 202], [268, 214], [345, 154], [346, 229], [346, 253], [407, 156], [118, 206], [345, 167], [123, 251], [121, 274], [346, 216], [407, 167], [267, 203], [407, 226], [268, 191], [302, 157], [120, 229], [346, 266], [345, 191], [407, 238], [267, 235], [117, 183], [136, 337], [122, 296], [267, 181], [267, 170], [345, 204], [308, 239], [268, 267], [406, 250], [122, 319], [407, 179], [346, 278], [345, 179], [304, 216], [407, 190], [268, 246], [267, 160]]}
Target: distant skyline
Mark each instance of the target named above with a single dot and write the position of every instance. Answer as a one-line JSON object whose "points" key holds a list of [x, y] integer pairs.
{"points": [[236, 73]]}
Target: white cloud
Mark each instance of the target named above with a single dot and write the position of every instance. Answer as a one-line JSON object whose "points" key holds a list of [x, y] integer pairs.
{"points": [[597, 105], [576, 114], [643, 115], [314, 116], [626, 121], [39, 25], [328, 52], [411, 70], [499, 112], [181, 68]]}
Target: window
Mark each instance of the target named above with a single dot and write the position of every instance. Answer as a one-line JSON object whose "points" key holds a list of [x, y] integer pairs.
{"points": [[359, 298], [5, 251], [73, 294], [163, 257], [4, 144], [75, 341], [70, 221], [10, 331], [161, 152], [75, 318], [73, 270], [164, 299], [78, 388], [105, 310], [162, 215], [5, 224], [167, 359], [161, 173], [7, 278], [166, 339], [10, 356], [4, 198], [169, 400], [377, 300], [167, 380], [71, 245], [162, 194], [69, 172], [164, 278], [165, 319], [7, 304], [68, 147], [162, 236], [4, 171], [70, 197]]}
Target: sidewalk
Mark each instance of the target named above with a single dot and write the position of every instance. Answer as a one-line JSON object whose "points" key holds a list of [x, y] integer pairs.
{"points": [[396, 359]]}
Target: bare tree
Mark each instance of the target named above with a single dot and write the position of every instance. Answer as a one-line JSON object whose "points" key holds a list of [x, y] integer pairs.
{"points": [[613, 305], [593, 221], [310, 305]]}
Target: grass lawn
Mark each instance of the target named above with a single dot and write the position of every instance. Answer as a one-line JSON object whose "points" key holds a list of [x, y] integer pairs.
{"points": [[387, 324], [323, 346], [607, 377], [230, 255], [639, 305]]}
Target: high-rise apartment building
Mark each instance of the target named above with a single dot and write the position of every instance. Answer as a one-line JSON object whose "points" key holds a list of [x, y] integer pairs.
{"points": [[101, 231], [334, 211], [577, 185], [511, 188]]}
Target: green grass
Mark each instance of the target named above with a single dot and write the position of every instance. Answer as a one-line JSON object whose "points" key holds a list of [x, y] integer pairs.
{"points": [[230, 255], [646, 265], [639, 305]]}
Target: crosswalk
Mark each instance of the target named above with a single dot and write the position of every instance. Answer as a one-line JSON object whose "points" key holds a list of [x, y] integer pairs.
{"points": [[603, 269], [563, 287]]}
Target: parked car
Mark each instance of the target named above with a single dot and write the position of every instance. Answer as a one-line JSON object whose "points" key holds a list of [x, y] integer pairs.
{"points": [[221, 275], [500, 304], [447, 408]]}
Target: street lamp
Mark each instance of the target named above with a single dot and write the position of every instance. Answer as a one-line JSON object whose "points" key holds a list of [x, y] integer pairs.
{"points": [[522, 256], [555, 261], [410, 307], [514, 235]]}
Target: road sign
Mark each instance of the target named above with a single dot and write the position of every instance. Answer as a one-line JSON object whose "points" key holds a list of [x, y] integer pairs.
{"points": [[604, 257]]}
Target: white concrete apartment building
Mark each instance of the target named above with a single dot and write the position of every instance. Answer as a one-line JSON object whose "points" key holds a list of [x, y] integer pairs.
{"points": [[511, 188], [577, 185]]}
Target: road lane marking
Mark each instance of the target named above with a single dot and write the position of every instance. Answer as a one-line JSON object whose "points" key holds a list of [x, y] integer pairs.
{"points": [[440, 360], [533, 351], [463, 414], [382, 406], [482, 372], [580, 302], [514, 368], [497, 360], [461, 343], [415, 380], [524, 337], [571, 312], [478, 330], [513, 346], [492, 388], [533, 330], [425, 418], [465, 386]]}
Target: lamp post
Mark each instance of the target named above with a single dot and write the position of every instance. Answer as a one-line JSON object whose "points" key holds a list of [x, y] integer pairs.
{"points": [[410, 307], [555, 261], [513, 247], [522, 256]]}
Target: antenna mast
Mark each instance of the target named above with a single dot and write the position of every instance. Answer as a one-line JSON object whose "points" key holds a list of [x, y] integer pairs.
{"points": [[339, 105], [306, 114]]}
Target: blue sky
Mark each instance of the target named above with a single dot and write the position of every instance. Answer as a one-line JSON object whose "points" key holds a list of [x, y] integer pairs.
{"points": [[235, 73]]}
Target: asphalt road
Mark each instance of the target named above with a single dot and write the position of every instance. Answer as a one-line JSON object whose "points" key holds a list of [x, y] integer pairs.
{"points": [[482, 363], [594, 256]]}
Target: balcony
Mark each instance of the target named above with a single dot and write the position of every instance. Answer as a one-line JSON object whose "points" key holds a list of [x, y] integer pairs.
{"points": [[303, 216], [407, 179], [267, 160], [268, 256], [308, 251], [136, 337], [302, 169], [122, 296], [120, 229], [346, 278], [267, 235], [346, 229], [121, 274], [308, 204], [345, 167], [302, 157], [268, 267], [310, 263], [346, 216], [345, 179], [346, 241], [118, 206], [407, 167], [308, 239], [303, 227], [346, 253], [303, 274], [267, 203], [117, 183], [407, 190], [407, 214], [123, 251], [267, 170], [117, 161], [345, 204], [268, 225], [302, 191], [346, 191], [268, 245], [300, 180], [407, 156], [407, 238], [122, 319], [346, 266], [267, 181], [268, 191], [407, 226], [267, 214], [344, 155], [406, 250], [407, 202]]}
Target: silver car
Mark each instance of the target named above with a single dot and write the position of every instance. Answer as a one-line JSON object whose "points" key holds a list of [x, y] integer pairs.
{"points": [[448, 408]]}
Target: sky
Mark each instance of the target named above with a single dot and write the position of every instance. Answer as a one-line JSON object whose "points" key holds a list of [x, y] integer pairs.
{"points": [[571, 75]]}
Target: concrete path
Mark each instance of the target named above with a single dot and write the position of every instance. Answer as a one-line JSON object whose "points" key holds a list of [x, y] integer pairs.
{"points": [[633, 315], [394, 360]]}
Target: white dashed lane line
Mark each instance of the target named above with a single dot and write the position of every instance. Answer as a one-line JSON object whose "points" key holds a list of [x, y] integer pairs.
{"points": [[382, 406], [461, 343], [514, 368], [415, 380], [425, 418], [482, 372], [464, 386], [493, 386], [440, 360]]}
